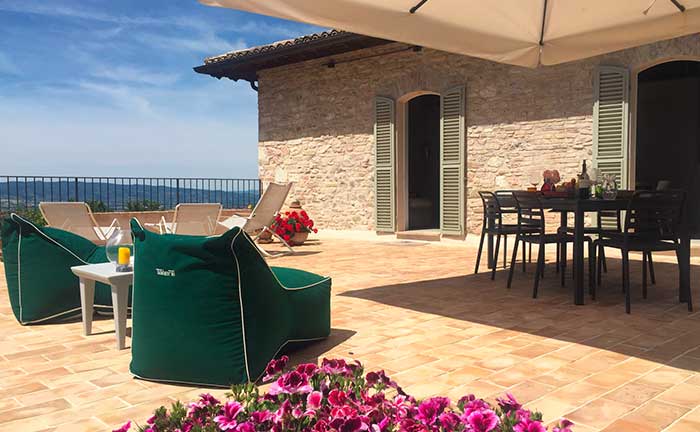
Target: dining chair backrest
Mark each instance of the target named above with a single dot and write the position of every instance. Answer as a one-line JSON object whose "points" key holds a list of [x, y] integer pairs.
{"points": [[530, 210], [663, 185], [506, 200], [655, 215], [610, 220], [492, 209]]}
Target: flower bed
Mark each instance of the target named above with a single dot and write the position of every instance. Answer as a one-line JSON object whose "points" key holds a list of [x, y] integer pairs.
{"points": [[339, 396]]}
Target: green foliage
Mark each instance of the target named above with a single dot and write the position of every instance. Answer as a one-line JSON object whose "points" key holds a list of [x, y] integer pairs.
{"points": [[98, 206], [145, 205], [31, 214]]}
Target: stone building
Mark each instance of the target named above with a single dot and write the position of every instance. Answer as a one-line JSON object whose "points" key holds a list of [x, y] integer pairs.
{"points": [[386, 137]]}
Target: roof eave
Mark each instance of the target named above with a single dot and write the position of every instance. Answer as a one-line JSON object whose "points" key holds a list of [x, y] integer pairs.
{"points": [[246, 67]]}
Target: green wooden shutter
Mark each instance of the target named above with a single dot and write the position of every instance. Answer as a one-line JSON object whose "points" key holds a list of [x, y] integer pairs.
{"points": [[610, 122], [452, 162], [384, 143]]}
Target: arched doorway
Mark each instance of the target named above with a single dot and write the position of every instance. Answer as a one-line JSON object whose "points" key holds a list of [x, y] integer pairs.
{"points": [[423, 162], [668, 131]]}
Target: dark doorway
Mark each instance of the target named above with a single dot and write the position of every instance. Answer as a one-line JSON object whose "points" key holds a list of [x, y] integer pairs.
{"points": [[668, 132], [424, 162]]}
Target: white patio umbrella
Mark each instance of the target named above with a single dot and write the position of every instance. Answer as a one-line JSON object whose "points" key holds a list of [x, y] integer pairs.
{"points": [[519, 32]]}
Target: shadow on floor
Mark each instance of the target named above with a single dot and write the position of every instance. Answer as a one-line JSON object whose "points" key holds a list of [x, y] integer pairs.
{"points": [[659, 329]]}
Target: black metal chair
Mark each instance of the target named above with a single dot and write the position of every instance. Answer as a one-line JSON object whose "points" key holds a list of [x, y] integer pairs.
{"points": [[652, 222], [495, 207], [531, 229], [611, 221]]}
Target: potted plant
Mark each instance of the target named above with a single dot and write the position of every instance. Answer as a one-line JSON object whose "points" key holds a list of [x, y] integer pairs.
{"points": [[294, 227]]}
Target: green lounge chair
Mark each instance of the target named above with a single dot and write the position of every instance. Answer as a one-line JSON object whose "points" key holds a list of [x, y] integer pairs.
{"points": [[209, 311], [40, 283]]}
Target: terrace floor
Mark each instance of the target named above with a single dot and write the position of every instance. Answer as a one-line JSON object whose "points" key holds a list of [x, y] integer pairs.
{"points": [[417, 311]]}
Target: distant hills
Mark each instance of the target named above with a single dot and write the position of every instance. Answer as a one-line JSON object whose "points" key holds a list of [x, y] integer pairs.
{"points": [[129, 194]]}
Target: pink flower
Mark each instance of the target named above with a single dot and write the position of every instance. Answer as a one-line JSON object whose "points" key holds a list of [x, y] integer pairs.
{"points": [[448, 420], [336, 367], [482, 421], [430, 409], [314, 399], [259, 417], [563, 426], [245, 427], [508, 403], [275, 367], [208, 399], [529, 426], [124, 427], [308, 369], [470, 404], [227, 421], [337, 397], [291, 383]]}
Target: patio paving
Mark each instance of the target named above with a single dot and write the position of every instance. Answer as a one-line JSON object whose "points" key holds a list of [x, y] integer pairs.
{"points": [[417, 311]]}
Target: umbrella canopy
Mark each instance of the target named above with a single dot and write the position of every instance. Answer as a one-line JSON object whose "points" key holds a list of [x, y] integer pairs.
{"points": [[519, 32]]}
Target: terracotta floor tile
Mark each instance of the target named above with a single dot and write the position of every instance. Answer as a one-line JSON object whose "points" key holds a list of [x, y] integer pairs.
{"points": [[686, 395], [664, 377], [684, 425], [599, 413], [633, 393], [654, 415]]}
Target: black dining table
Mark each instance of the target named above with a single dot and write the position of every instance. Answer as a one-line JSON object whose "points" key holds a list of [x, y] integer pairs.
{"points": [[579, 207]]}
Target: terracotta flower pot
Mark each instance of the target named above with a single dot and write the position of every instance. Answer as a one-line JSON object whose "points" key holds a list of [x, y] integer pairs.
{"points": [[265, 237], [299, 238]]}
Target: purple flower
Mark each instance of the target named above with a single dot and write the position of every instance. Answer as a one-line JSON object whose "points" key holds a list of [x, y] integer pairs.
{"points": [[314, 399], [208, 399], [124, 427], [308, 369], [227, 421], [372, 378], [563, 426], [275, 367], [430, 409], [482, 421], [291, 383], [508, 403], [529, 426], [470, 404], [448, 420]]}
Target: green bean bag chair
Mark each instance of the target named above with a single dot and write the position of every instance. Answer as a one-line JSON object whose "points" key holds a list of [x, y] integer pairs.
{"points": [[40, 283], [209, 311]]}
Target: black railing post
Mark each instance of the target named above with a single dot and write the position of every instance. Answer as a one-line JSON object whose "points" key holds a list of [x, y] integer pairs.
{"points": [[177, 191], [76, 189]]}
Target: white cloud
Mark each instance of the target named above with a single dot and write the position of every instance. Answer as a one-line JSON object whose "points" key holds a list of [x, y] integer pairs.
{"points": [[7, 66], [135, 75], [205, 43], [121, 96]]}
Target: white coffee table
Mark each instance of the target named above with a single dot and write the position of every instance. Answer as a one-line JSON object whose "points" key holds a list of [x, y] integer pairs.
{"points": [[107, 274]]}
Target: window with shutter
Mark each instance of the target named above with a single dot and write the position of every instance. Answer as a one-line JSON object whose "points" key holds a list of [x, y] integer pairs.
{"points": [[452, 162], [384, 143], [610, 122]]}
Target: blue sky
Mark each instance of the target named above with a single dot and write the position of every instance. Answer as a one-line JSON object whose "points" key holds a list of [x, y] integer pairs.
{"points": [[106, 87]]}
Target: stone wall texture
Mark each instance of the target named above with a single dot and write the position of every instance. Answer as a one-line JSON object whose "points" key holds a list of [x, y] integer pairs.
{"points": [[316, 123]]}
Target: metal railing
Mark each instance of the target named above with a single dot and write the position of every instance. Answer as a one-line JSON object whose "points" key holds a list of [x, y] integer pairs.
{"points": [[126, 193]]}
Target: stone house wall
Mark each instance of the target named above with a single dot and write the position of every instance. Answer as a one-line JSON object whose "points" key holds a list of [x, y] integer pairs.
{"points": [[316, 123]]}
